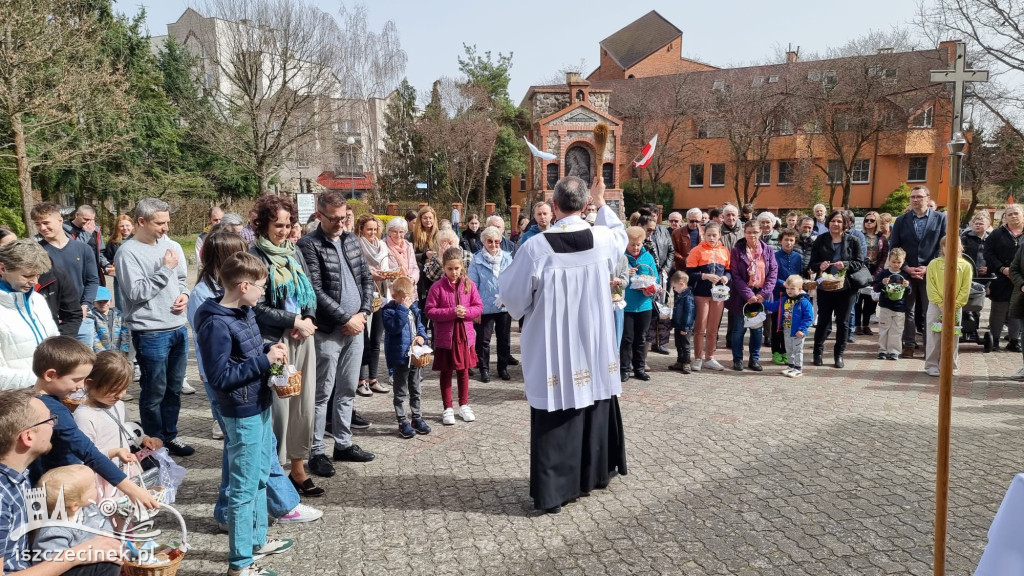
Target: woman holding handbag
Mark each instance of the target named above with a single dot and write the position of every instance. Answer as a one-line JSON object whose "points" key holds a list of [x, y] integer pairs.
{"points": [[836, 253]]}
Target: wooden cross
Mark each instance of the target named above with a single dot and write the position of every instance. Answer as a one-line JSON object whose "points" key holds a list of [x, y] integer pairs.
{"points": [[959, 76]]}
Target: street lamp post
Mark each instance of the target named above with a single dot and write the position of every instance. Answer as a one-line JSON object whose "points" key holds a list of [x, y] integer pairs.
{"points": [[351, 142]]}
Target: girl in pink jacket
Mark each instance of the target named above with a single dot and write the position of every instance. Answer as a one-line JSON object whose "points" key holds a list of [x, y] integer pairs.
{"points": [[452, 304]]}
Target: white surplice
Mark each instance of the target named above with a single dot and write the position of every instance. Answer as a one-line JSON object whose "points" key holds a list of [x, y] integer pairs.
{"points": [[570, 356]]}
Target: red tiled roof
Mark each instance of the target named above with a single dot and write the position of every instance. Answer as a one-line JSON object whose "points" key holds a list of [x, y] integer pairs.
{"points": [[327, 180]]}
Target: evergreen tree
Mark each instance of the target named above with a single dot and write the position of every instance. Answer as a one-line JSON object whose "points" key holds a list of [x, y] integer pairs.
{"points": [[401, 168]]}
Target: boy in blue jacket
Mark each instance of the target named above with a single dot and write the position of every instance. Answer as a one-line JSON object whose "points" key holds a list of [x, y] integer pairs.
{"points": [[403, 328], [790, 262], [683, 315], [793, 317], [237, 364]]}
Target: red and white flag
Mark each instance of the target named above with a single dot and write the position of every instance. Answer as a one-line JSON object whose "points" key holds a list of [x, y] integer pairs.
{"points": [[647, 153]]}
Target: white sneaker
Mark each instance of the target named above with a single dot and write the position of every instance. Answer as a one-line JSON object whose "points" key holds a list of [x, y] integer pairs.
{"points": [[251, 570], [795, 373], [1018, 375], [275, 546], [695, 366], [301, 514], [466, 413], [448, 417], [216, 432], [932, 371], [787, 372], [136, 373], [712, 364], [187, 388]]}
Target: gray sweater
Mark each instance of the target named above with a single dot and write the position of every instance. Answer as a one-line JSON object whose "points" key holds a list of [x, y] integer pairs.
{"points": [[55, 539], [149, 288]]}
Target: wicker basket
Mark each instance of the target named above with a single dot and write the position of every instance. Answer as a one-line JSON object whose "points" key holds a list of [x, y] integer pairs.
{"points": [[130, 568], [832, 284], [421, 361], [72, 403], [292, 388]]}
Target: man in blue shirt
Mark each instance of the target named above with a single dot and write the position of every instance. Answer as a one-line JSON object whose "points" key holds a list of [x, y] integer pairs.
{"points": [[25, 430]]}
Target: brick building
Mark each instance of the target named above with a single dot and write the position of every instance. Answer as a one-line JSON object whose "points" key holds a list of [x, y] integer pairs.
{"points": [[786, 134]]}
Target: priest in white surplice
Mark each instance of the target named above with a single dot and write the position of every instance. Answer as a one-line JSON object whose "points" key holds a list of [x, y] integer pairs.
{"points": [[560, 282]]}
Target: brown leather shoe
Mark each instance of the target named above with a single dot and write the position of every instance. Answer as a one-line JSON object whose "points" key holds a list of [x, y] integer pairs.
{"points": [[907, 353]]}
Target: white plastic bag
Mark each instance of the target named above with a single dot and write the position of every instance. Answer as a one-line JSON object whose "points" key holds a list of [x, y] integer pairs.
{"points": [[171, 474]]}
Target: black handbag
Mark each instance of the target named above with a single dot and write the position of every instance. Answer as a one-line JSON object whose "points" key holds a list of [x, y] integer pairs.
{"points": [[146, 461], [859, 279]]}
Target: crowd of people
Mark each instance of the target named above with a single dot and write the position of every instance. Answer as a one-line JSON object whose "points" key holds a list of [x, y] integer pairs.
{"points": [[326, 297]]}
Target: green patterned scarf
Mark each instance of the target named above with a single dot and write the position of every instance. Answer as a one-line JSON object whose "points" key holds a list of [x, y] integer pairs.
{"points": [[287, 280]]}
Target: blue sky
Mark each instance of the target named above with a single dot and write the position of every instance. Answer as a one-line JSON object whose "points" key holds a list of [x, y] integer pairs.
{"points": [[726, 32]]}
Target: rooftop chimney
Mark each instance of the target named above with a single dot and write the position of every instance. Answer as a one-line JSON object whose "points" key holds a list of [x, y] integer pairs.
{"points": [[573, 78], [793, 55]]}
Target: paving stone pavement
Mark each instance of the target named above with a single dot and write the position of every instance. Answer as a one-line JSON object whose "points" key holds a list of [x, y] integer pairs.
{"points": [[729, 473]]}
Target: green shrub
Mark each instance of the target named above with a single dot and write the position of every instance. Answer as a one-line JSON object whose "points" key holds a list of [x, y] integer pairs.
{"points": [[897, 201]]}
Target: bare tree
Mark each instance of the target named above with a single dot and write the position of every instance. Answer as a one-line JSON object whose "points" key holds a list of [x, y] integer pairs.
{"points": [[657, 105], [370, 66], [994, 31], [62, 105], [458, 131], [270, 79]]}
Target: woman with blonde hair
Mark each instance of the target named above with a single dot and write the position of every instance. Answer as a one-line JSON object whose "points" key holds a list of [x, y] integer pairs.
{"points": [[424, 241], [124, 229], [877, 254], [377, 255]]}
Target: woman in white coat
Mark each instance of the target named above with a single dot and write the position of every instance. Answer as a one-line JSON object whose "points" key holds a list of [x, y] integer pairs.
{"points": [[25, 319]]}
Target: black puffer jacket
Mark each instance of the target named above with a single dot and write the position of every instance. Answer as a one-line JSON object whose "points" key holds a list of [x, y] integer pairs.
{"points": [[271, 315], [324, 268], [849, 254], [1000, 248]]}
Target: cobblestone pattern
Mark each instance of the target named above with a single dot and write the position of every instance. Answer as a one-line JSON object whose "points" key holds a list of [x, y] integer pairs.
{"points": [[729, 473]]}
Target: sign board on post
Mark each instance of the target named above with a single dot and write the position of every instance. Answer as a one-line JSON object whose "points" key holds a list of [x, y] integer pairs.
{"points": [[306, 205], [421, 185]]}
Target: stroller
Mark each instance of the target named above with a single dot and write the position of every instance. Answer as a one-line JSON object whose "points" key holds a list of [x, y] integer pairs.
{"points": [[972, 310]]}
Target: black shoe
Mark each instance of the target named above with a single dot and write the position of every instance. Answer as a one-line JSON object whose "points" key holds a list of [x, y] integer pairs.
{"points": [[503, 374], [755, 366], [839, 361], [472, 372], [737, 366], [553, 510], [1013, 346], [882, 355], [485, 375], [352, 454], [867, 331], [641, 375], [358, 422], [858, 331], [624, 376], [512, 361], [307, 488], [986, 342], [659, 350], [817, 360], [321, 466], [179, 448]]}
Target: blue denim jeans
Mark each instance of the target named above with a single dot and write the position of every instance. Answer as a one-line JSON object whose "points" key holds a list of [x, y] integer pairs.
{"points": [[87, 332], [162, 356], [249, 453], [736, 339], [281, 495]]}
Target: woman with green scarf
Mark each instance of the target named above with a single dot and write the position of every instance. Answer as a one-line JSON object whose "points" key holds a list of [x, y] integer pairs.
{"points": [[285, 314]]}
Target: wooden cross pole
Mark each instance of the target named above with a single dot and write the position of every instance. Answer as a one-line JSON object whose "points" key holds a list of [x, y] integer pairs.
{"points": [[958, 76]]}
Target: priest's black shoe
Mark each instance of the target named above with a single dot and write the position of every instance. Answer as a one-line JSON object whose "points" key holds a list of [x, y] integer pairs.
{"points": [[512, 361], [641, 375], [839, 361], [352, 454], [755, 366], [659, 350], [624, 376], [553, 510], [485, 375], [1013, 346], [503, 374], [321, 466], [818, 361]]}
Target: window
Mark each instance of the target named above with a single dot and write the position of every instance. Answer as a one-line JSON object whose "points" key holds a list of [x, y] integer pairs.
{"points": [[829, 78], [718, 85], [702, 131], [861, 172], [814, 76], [773, 79], [917, 169], [813, 127], [835, 172], [718, 174], [757, 81], [785, 126], [522, 181], [696, 175], [787, 172], [763, 174], [923, 119]]}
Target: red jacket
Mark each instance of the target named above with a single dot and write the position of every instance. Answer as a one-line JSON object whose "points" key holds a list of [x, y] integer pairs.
{"points": [[441, 310]]}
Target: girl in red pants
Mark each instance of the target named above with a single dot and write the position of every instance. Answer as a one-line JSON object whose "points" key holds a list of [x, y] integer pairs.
{"points": [[452, 304]]}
